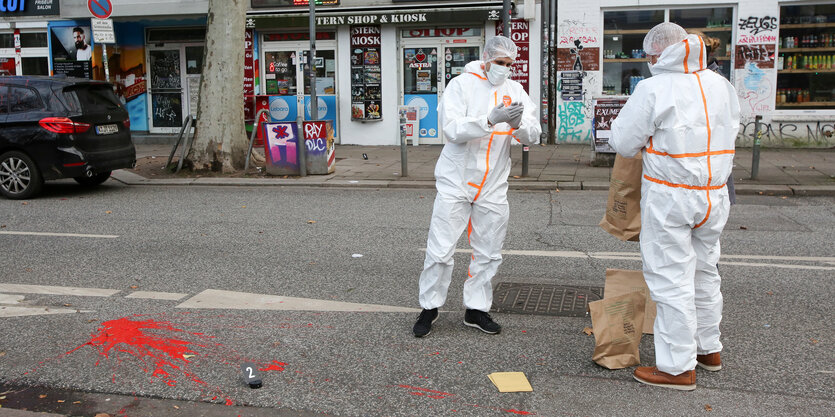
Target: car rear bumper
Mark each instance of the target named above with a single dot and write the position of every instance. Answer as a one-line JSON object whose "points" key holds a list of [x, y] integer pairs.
{"points": [[72, 162]]}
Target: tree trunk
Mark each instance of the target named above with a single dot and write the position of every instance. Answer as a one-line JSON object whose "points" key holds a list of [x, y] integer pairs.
{"points": [[220, 141]]}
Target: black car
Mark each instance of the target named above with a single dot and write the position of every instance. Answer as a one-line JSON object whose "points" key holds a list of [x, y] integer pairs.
{"points": [[52, 128]]}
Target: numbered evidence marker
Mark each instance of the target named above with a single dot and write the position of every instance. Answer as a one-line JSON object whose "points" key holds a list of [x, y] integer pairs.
{"points": [[251, 375]]}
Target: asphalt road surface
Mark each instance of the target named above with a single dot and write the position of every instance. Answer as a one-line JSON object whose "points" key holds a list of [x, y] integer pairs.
{"points": [[147, 300]]}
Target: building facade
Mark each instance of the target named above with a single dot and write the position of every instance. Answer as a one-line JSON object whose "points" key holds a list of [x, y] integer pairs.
{"points": [[374, 56], [780, 56]]}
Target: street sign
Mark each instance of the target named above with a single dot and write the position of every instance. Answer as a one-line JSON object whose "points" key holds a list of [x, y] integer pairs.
{"points": [[100, 8], [103, 31]]}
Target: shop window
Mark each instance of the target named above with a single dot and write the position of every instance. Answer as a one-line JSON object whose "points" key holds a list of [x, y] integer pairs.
{"points": [[33, 40], [624, 60], [806, 60], [6, 40], [280, 68], [35, 66]]}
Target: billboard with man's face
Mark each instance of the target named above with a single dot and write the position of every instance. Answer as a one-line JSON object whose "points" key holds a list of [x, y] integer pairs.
{"points": [[72, 49]]}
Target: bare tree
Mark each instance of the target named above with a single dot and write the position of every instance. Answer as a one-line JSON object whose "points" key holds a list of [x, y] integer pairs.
{"points": [[220, 141]]}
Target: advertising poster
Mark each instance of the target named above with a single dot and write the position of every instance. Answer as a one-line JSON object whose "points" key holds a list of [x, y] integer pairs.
{"points": [[605, 112], [72, 49], [366, 74], [427, 105]]}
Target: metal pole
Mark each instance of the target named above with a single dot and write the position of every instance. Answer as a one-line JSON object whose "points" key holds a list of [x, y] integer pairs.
{"points": [[545, 14], [552, 74], [104, 62], [755, 162], [404, 165], [506, 18]]}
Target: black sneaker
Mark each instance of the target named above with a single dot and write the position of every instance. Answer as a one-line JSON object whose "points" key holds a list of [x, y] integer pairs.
{"points": [[482, 321], [424, 322]]}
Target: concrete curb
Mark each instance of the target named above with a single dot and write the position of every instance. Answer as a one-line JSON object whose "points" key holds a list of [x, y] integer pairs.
{"points": [[130, 178]]}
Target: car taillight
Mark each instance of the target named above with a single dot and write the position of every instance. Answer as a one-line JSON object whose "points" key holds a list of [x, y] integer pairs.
{"points": [[127, 123], [63, 125]]}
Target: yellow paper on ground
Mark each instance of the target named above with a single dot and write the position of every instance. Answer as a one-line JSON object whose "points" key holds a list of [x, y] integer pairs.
{"points": [[510, 381]]}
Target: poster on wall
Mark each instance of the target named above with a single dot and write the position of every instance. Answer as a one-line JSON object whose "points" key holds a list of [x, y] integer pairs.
{"points": [[605, 112], [366, 73], [72, 49], [520, 35]]}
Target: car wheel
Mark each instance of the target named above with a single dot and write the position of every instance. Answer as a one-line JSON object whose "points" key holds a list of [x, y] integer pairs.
{"points": [[94, 180], [19, 176]]}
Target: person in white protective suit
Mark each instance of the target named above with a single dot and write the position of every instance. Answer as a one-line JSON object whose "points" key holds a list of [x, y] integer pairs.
{"points": [[481, 113], [685, 120]]}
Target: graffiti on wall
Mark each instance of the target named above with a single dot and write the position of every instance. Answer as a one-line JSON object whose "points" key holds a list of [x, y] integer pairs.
{"points": [[572, 119], [571, 30], [757, 92], [757, 30], [800, 134]]}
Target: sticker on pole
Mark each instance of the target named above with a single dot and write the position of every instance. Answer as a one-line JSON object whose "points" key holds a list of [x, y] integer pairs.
{"points": [[100, 8]]}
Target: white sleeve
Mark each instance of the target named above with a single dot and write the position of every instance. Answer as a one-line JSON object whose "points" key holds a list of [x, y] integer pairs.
{"points": [[458, 127], [529, 130], [634, 125]]}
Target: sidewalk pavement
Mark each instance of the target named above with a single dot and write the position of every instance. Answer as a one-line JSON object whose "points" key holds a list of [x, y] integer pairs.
{"points": [[808, 172]]}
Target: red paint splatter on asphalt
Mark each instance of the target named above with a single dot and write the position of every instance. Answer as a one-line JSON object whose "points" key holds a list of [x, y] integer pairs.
{"points": [[521, 413], [274, 366], [133, 337]]}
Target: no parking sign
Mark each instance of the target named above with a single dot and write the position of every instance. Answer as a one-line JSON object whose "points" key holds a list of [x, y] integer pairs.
{"points": [[100, 8]]}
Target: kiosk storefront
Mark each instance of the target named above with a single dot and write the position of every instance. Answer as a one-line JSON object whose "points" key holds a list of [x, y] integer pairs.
{"points": [[369, 63]]}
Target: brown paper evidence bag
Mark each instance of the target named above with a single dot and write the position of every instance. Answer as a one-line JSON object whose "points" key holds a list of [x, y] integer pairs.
{"points": [[623, 209]]}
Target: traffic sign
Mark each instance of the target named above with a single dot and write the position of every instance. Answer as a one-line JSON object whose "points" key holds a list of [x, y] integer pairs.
{"points": [[100, 8], [103, 31]]}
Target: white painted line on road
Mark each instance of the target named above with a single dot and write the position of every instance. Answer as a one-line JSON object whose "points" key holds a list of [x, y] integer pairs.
{"points": [[11, 299], [59, 234], [46, 289], [219, 299], [36, 311], [154, 295], [634, 256]]}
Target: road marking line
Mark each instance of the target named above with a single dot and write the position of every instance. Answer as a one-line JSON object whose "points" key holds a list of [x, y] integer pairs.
{"points": [[219, 299], [634, 256], [58, 234], [36, 311], [46, 289], [621, 255], [154, 295], [11, 299]]}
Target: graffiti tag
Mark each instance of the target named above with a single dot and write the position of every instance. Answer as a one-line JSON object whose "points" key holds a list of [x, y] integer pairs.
{"points": [[756, 25]]}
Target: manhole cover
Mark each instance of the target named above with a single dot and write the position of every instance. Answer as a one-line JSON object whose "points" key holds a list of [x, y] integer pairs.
{"points": [[544, 299]]}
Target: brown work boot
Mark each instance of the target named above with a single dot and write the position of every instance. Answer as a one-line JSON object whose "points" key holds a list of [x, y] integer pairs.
{"points": [[710, 362], [652, 376]]}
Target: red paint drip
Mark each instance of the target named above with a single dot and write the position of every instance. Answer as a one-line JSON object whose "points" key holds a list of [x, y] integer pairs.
{"points": [[440, 394]]}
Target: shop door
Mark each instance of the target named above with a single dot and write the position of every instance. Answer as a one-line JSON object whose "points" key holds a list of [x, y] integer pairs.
{"points": [[287, 69], [426, 71], [174, 72]]}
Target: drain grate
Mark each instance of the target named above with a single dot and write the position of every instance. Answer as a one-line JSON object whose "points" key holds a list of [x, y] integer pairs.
{"points": [[544, 299]]}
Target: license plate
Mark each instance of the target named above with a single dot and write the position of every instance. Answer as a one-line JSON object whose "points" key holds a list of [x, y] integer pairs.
{"points": [[107, 129]]}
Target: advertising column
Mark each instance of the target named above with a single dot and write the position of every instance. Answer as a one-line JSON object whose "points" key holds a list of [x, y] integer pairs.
{"points": [[366, 79]]}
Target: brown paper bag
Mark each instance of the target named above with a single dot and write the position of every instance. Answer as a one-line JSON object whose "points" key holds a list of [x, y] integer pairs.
{"points": [[617, 324], [623, 210], [621, 281]]}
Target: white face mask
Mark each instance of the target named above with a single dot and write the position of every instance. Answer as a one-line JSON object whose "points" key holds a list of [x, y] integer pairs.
{"points": [[497, 73]]}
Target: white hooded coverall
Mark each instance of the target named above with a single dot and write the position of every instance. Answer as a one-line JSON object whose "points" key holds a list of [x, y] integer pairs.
{"points": [[685, 119], [471, 180]]}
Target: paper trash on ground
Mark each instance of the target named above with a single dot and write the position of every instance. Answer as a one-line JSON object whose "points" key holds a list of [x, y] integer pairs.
{"points": [[510, 381]]}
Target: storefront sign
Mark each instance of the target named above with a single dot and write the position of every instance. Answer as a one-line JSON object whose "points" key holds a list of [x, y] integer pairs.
{"points": [[249, 75], [760, 54], [520, 35], [366, 78], [460, 32], [605, 112], [289, 3], [271, 22], [298, 36], [29, 7]]}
